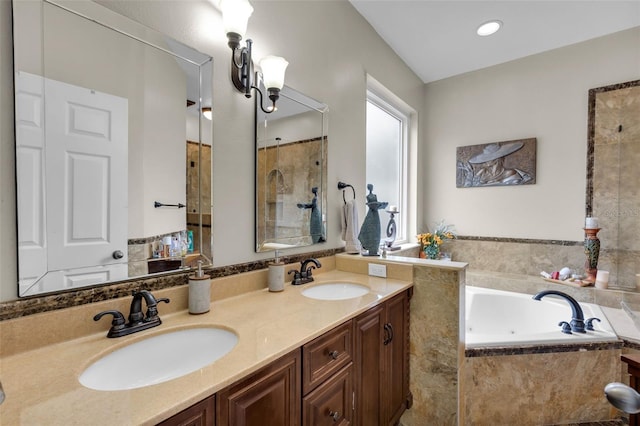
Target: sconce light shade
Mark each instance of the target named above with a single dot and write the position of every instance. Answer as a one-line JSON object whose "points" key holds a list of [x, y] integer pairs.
{"points": [[235, 15], [273, 69], [206, 112]]}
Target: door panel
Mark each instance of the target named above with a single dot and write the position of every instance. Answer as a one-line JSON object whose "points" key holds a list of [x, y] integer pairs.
{"points": [[86, 152], [32, 243]]}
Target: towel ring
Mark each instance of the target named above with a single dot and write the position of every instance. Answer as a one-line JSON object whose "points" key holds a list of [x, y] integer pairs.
{"points": [[342, 185]]}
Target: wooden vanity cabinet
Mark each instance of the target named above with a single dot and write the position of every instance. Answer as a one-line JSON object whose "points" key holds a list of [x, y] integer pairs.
{"points": [[199, 414], [381, 360], [327, 378], [331, 403], [269, 397], [355, 374]]}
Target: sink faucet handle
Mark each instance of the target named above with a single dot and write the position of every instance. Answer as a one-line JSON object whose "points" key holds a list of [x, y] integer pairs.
{"points": [[152, 310], [117, 323], [589, 323], [297, 276], [566, 328]]}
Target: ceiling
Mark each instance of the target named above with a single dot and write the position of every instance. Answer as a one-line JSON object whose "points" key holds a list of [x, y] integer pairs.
{"points": [[437, 39]]}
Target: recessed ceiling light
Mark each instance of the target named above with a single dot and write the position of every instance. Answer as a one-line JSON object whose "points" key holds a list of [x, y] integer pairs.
{"points": [[489, 28]]}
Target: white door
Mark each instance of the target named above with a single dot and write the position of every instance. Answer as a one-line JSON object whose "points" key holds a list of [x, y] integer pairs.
{"points": [[86, 176], [32, 243]]}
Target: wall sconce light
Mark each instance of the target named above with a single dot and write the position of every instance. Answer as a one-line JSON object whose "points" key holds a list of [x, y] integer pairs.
{"points": [[206, 112], [235, 14]]}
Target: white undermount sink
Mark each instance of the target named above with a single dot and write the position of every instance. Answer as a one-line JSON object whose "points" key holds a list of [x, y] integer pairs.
{"points": [[335, 291], [158, 359]]}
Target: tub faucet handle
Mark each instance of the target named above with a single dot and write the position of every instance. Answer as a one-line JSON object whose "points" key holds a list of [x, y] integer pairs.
{"points": [[566, 327], [589, 323]]}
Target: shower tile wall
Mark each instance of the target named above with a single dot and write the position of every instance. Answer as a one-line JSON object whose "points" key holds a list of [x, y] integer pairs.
{"points": [[616, 194]]}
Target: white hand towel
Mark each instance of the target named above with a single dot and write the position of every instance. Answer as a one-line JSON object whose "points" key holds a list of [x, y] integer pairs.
{"points": [[350, 227]]}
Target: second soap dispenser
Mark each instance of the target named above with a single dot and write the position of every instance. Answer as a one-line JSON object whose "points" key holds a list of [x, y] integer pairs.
{"points": [[199, 292], [276, 274]]}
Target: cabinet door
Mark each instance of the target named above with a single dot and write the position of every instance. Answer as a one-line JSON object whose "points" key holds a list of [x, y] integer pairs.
{"points": [[200, 414], [331, 403], [369, 366], [396, 384], [269, 397]]}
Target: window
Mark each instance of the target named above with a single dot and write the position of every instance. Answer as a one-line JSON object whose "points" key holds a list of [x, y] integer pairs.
{"points": [[387, 142]]}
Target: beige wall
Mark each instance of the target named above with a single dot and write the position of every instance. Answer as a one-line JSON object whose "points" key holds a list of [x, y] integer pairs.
{"points": [[330, 48], [542, 96]]}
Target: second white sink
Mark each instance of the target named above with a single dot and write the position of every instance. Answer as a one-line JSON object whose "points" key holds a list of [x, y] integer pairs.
{"points": [[335, 291], [158, 359]]}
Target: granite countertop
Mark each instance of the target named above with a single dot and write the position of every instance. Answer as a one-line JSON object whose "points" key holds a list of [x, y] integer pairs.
{"points": [[42, 385]]}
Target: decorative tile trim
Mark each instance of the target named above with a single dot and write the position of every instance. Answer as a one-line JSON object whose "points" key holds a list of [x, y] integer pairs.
{"points": [[520, 240], [50, 302], [543, 349]]}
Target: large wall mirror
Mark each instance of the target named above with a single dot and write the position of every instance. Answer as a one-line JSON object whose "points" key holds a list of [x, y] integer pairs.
{"points": [[113, 153], [291, 173], [612, 179]]}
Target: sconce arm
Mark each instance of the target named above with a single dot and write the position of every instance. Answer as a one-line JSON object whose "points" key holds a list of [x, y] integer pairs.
{"points": [[271, 96]]}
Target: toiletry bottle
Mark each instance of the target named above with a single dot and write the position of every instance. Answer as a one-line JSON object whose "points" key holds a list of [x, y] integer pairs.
{"points": [[276, 274], [183, 243], [166, 246], [199, 292], [190, 241]]}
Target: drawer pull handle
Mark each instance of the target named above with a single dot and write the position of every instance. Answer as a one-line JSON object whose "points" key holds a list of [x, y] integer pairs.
{"points": [[334, 415], [388, 333], [334, 354]]}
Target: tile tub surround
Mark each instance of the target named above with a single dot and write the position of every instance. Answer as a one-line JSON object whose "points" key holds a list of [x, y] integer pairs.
{"points": [[41, 384], [539, 389], [529, 257], [552, 371], [436, 347]]}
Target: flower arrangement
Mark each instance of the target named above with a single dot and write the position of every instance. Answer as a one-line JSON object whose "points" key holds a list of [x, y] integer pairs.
{"points": [[430, 242]]}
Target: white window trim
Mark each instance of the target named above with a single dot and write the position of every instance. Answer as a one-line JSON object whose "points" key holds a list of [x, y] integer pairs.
{"points": [[389, 102]]}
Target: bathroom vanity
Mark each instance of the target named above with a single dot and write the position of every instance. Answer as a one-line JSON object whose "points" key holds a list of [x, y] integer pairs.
{"points": [[297, 360], [356, 373]]}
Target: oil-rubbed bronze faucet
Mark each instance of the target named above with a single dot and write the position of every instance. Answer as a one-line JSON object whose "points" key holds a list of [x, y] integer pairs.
{"points": [[137, 320], [304, 275], [577, 316]]}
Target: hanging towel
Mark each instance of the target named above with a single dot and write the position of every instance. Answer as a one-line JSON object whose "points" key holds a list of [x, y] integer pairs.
{"points": [[350, 227]]}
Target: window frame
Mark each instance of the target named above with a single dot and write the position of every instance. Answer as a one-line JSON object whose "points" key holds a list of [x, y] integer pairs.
{"points": [[404, 115]]}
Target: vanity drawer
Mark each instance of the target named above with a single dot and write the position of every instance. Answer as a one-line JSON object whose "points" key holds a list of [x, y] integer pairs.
{"points": [[326, 355]]}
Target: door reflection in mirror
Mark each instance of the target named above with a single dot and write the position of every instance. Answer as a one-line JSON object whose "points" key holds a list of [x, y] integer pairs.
{"points": [[108, 121]]}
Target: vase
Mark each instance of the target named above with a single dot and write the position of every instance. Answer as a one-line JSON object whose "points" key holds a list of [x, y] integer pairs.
{"points": [[592, 251], [432, 252]]}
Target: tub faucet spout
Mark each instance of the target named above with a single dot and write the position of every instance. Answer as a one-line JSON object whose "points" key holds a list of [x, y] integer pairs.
{"points": [[577, 317]]}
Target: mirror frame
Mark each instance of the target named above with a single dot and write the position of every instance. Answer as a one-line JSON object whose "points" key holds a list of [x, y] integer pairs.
{"points": [[310, 104], [203, 66]]}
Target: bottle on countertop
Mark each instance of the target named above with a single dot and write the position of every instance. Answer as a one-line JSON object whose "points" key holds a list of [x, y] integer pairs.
{"points": [[276, 274], [199, 292]]}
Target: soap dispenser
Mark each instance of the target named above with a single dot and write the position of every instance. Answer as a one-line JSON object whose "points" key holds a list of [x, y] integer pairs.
{"points": [[276, 274], [199, 292]]}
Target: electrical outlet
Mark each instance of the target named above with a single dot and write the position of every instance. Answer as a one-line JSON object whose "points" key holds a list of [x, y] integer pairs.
{"points": [[378, 270]]}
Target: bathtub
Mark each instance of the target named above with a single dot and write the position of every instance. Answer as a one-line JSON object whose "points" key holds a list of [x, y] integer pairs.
{"points": [[496, 318]]}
